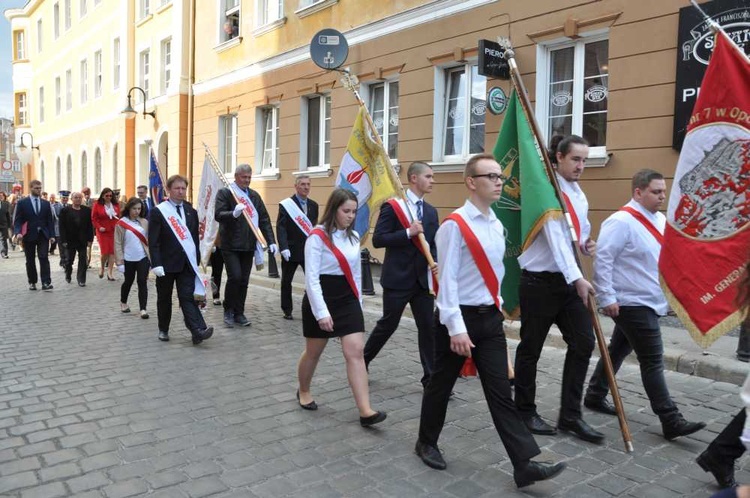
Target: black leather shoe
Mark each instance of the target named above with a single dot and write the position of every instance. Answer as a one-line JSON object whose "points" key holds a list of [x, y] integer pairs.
{"points": [[47, 287], [680, 427], [538, 426], [241, 320], [601, 405], [531, 472], [372, 419], [723, 473], [32, 286], [163, 336], [67, 279], [229, 319], [312, 405], [288, 317], [581, 429], [202, 335], [430, 455], [81, 284]]}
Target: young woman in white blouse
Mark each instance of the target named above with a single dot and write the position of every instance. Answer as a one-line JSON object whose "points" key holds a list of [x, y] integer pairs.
{"points": [[332, 305], [131, 254]]}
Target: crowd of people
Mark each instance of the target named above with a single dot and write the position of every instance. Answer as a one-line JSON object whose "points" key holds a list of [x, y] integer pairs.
{"points": [[456, 303]]}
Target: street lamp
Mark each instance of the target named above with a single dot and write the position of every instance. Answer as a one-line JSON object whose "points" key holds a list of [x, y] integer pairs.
{"points": [[130, 113], [22, 146]]}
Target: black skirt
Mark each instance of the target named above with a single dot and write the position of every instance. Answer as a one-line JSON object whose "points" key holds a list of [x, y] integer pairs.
{"points": [[343, 306]]}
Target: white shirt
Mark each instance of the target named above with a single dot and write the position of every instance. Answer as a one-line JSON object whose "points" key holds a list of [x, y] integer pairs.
{"points": [[552, 250], [132, 247], [626, 265], [411, 203], [459, 278], [319, 260]]}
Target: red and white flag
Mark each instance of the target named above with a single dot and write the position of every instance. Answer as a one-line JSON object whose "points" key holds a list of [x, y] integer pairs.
{"points": [[208, 227], [707, 240]]}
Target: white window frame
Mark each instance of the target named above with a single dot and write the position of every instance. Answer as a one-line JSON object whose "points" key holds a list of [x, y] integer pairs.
{"points": [[84, 8], [68, 90], [231, 122], [166, 64], [304, 132], [144, 70], [23, 108], [366, 91], [68, 15], [41, 104], [85, 170], [58, 96], [98, 169], [83, 81], [56, 19], [144, 8], [440, 161], [598, 156], [263, 8], [98, 83], [20, 44], [39, 36], [260, 141], [116, 63], [223, 15]]}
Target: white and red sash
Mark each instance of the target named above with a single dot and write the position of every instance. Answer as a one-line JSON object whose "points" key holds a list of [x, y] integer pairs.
{"points": [[297, 215], [645, 222], [140, 234], [182, 233], [343, 263], [399, 207], [254, 218], [573, 216]]}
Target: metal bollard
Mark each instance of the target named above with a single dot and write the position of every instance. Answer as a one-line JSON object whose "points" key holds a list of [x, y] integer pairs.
{"points": [[743, 345], [368, 288], [273, 269]]}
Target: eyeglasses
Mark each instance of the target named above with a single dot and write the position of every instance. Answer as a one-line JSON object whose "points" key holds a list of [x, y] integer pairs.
{"points": [[494, 177]]}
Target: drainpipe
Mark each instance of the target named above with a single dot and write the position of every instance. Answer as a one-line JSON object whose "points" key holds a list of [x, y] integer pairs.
{"points": [[190, 104]]}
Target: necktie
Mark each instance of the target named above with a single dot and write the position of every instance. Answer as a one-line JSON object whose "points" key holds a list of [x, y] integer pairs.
{"points": [[419, 210], [304, 207], [36, 205], [179, 211]]}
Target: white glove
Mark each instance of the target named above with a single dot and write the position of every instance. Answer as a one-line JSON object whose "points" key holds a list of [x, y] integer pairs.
{"points": [[286, 254], [745, 438], [121, 268], [213, 249], [274, 249], [158, 271], [238, 210]]}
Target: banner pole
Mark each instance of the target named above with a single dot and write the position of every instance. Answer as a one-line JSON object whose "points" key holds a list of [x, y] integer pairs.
{"points": [[591, 303]]}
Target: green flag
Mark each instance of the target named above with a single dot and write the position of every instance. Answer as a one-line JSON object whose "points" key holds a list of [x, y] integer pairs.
{"points": [[528, 198]]}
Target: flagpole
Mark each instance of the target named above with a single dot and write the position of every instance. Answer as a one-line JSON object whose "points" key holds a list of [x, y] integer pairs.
{"points": [[591, 304], [253, 228], [350, 84]]}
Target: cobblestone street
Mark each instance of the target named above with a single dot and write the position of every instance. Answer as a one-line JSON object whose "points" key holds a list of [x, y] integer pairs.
{"points": [[92, 404]]}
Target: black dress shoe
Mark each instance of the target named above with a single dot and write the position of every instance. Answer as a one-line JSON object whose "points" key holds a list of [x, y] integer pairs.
{"points": [[680, 427], [430, 455], [241, 320], [723, 473], [67, 279], [81, 284], [531, 472], [581, 429], [32, 286], [372, 419], [163, 336], [312, 405], [601, 405], [47, 287], [229, 319], [288, 317], [202, 335], [538, 426]]}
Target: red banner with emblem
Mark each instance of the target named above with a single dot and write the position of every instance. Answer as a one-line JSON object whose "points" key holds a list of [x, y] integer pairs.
{"points": [[706, 240]]}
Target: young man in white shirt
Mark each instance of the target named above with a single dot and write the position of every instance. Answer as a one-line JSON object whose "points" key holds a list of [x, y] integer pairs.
{"points": [[626, 268], [472, 325]]}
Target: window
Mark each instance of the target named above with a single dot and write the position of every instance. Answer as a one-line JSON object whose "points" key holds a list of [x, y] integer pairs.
{"points": [[230, 25], [166, 64], [165, 2], [228, 142], [460, 100], [19, 45], [383, 105], [145, 70], [56, 17], [318, 132], [98, 170], [98, 74], [58, 173], [41, 173], [22, 117], [84, 81], [58, 96], [114, 166], [85, 169], [84, 7], [97, 2], [267, 139], [68, 15], [573, 89], [145, 8], [116, 63], [41, 104], [39, 36], [68, 90], [269, 11], [69, 173]]}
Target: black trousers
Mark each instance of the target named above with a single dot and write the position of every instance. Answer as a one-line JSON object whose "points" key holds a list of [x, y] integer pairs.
{"points": [[547, 299], [185, 282], [727, 447], [422, 307], [238, 265], [3, 241], [490, 356], [637, 328], [133, 268], [288, 269], [70, 257], [217, 269], [32, 250]]}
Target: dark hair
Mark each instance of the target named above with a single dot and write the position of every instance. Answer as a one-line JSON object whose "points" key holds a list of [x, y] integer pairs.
{"points": [[106, 191], [34, 183], [416, 168], [5, 196], [642, 179], [141, 186], [338, 197], [177, 178], [562, 144], [471, 164], [130, 204]]}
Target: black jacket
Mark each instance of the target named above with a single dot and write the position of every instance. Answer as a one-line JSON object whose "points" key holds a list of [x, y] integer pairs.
{"points": [[72, 233], [5, 215], [289, 234], [403, 263], [234, 232], [163, 245]]}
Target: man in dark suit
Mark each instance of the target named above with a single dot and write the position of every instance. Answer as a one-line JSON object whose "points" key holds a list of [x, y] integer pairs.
{"points": [[238, 242], [405, 276], [174, 260], [142, 192], [292, 229], [35, 223], [76, 232]]}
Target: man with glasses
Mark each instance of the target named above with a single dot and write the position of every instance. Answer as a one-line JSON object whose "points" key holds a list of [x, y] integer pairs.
{"points": [[35, 225]]}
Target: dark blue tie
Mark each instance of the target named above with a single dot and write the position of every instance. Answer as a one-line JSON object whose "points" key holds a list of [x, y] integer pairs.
{"points": [[179, 211], [419, 210], [36, 205]]}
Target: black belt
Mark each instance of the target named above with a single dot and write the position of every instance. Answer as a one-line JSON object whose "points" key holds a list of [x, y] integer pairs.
{"points": [[481, 309], [544, 275]]}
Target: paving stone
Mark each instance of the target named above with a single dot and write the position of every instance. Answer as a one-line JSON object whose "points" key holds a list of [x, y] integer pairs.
{"points": [[61, 471], [51, 490], [16, 466], [127, 488]]}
